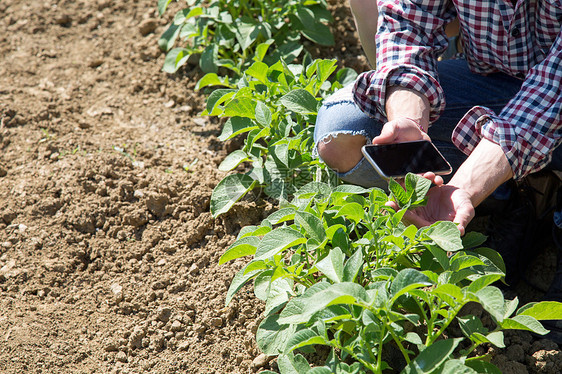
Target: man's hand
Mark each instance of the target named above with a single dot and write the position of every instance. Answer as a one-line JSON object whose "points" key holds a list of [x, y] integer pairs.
{"points": [[400, 130], [484, 170], [444, 203]]}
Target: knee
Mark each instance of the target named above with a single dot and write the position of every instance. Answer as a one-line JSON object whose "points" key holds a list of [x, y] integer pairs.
{"points": [[342, 152]]}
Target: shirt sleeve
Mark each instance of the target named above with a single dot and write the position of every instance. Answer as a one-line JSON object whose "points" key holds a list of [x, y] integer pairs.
{"points": [[529, 127], [411, 35]]}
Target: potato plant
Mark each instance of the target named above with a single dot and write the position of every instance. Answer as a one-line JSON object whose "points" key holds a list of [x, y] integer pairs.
{"points": [[273, 107], [338, 268], [225, 34]]}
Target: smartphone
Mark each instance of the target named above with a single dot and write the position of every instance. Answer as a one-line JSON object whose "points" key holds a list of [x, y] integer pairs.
{"points": [[397, 160]]}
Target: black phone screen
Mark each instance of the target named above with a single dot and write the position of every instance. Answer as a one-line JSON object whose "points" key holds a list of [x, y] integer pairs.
{"points": [[399, 159]]}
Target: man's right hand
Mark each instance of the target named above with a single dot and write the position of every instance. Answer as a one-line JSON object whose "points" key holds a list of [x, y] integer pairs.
{"points": [[400, 130]]}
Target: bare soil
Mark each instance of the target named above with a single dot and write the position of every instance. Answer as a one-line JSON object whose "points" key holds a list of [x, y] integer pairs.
{"points": [[108, 251]]}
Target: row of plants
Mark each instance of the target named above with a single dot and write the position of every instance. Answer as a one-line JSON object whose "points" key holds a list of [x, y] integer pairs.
{"points": [[336, 267]]}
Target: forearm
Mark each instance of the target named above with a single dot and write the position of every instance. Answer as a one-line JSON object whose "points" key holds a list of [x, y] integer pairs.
{"points": [[403, 102], [483, 171], [365, 14]]}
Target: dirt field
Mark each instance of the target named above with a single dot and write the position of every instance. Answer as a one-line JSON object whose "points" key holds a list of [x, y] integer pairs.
{"points": [[108, 252]]}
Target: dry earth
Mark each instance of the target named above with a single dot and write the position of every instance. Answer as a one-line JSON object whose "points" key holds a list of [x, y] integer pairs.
{"points": [[108, 252]]}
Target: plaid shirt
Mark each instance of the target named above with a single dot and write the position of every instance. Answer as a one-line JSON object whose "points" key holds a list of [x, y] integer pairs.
{"points": [[524, 41]]}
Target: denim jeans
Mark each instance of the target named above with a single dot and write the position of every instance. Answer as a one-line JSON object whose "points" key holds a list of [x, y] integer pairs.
{"points": [[463, 90]]}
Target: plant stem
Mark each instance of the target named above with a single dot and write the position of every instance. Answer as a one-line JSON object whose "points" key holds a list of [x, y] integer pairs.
{"points": [[404, 353]]}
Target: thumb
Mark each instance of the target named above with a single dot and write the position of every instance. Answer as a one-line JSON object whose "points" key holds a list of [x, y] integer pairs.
{"points": [[387, 135]]}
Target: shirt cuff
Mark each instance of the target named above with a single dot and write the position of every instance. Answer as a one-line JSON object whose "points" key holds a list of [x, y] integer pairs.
{"points": [[526, 150], [369, 92]]}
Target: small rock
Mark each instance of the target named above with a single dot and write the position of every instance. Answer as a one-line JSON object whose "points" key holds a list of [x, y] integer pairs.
{"points": [[22, 228], [200, 121], [135, 340], [156, 204], [183, 346], [116, 288], [216, 321], [3, 171], [121, 357], [163, 314], [110, 347], [194, 269], [176, 326], [261, 361], [147, 26], [63, 20]]}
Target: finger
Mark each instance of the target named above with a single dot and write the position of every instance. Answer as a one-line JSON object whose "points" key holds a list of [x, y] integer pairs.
{"points": [[412, 218], [387, 135], [435, 179], [464, 215]]}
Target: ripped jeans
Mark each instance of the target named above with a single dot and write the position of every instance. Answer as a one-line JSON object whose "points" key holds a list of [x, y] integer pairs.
{"points": [[463, 90]]}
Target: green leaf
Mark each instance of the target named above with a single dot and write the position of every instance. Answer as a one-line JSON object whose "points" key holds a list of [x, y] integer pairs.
{"points": [[209, 79], [312, 225], [162, 5], [482, 282], [544, 310], [464, 261], [261, 284], [278, 294], [449, 290], [246, 34], [303, 338], [175, 59], [432, 357], [352, 211], [313, 29], [332, 265], [300, 101], [209, 58], [272, 337], [187, 13], [483, 367], [492, 300], [236, 125], [261, 50], [399, 194], [243, 107], [413, 338], [263, 114], [277, 240], [446, 235], [473, 239], [239, 280], [300, 310], [416, 187], [228, 191], [168, 38], [470, 324], [217, 97], [523, 322], [240, 248], [281, 215], [258, 70], [406, 280], [352, 267], [290, 364], [233, 160], [496, 338], [454, 367]]}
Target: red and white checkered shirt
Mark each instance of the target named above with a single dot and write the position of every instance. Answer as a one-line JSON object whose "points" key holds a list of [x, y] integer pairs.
{"points": [[524, 41]]}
